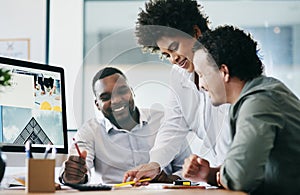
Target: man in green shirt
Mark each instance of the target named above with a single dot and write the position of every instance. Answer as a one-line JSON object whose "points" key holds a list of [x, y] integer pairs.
{"points": [[264, 157]]}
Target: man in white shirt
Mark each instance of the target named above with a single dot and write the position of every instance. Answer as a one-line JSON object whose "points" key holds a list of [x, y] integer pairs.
{"points": [[118, 139]]}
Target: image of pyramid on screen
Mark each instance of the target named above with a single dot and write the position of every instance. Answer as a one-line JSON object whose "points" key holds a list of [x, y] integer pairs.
{"points": [[34, 133]]}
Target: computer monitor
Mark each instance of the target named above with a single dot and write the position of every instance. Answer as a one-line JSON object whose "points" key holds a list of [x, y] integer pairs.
{"points": [[32, 108]]}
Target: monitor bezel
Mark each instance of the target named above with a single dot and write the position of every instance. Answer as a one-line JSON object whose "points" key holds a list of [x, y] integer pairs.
{"points": [[6, 147]]}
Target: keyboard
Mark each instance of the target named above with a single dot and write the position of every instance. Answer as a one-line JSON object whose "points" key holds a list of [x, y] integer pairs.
{"points": [[89, 187]]}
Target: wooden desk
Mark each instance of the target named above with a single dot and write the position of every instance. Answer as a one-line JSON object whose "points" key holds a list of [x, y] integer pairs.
{"points": [[134, 191]]}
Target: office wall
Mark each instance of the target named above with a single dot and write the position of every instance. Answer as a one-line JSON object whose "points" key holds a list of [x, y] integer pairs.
{"points": [[66, 46], [21, 19]]}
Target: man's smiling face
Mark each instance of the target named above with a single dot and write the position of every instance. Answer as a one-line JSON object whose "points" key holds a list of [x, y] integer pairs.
{"points": [[114, 98]]}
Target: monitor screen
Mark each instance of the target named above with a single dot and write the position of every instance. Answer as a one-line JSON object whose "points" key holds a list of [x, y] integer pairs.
{"points": [[32, 107]]}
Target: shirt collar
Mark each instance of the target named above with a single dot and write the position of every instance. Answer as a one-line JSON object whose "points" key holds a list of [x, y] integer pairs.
{"points": [[186, 78], [144, 118]]}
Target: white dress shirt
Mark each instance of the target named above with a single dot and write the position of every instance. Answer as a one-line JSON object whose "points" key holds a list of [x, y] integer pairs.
{"points": [[191, 110], [112, 151]]}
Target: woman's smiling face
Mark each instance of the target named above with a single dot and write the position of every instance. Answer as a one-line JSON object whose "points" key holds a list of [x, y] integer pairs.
{"points": [[178, 50]]}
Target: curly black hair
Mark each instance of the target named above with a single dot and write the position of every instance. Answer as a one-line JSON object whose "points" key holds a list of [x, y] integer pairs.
{"points": [[181, 15], [235, 48]]}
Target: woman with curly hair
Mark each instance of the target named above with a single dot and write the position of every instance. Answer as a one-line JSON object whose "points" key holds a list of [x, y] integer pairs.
{"points": [[170, 28]]}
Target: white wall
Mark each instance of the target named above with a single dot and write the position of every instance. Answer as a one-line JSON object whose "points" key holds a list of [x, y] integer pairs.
{"points": [[66, 46], [25, 20]]}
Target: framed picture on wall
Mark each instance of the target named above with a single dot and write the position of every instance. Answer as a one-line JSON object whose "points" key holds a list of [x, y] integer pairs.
{"points": [[15, 48]]}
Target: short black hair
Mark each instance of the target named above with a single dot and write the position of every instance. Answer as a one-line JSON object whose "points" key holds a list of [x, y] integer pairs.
{"points": [[235, 48], [182, 15], [105, 72]]}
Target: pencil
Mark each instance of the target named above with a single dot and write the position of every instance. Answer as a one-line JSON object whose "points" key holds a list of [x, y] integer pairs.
{"points": [[76, 146], [20, 180], [131, 182]]}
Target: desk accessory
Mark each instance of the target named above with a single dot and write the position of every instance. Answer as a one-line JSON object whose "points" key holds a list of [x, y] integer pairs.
{"points": [[47, 150], [28, 149], [182, 182], [40, 175]]}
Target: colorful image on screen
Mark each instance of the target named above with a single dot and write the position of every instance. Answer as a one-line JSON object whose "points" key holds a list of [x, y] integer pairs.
{"points": [[31, 107]]}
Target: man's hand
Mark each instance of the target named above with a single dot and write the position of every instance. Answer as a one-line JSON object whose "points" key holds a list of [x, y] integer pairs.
{"points": [[196, 169], [75, 169], [164, 178], [151, 170]]}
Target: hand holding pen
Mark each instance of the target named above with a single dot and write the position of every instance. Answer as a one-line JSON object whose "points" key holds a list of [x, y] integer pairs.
{"points": [[77, 147], [75, 167], [81, 154]]}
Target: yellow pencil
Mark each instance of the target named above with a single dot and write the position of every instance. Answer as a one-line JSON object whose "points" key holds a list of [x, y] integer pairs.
{"points": [[20, 180], [131, 182]]}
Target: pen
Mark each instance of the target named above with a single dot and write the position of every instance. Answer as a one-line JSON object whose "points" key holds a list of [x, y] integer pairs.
{"points": [[28, 149], [131, 182], [53, 153], [47, 149], [76, 146]]}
